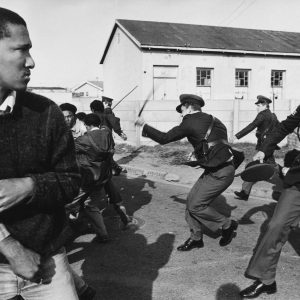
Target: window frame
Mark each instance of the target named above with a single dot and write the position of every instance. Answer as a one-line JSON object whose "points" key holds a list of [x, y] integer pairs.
{"points": [[198, 82], [280, 80], [246, 78]]}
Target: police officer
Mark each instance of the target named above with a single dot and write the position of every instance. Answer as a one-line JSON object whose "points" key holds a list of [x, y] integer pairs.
{"points": [[264, 123], [214, 155], [107, 102], [286, 215]]}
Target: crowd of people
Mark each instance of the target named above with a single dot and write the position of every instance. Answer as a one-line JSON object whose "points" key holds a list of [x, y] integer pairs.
{"points": [[52, 157]]}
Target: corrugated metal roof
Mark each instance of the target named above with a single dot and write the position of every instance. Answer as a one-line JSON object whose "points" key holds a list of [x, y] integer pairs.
{"points": [[211, 37], [147, 34]]}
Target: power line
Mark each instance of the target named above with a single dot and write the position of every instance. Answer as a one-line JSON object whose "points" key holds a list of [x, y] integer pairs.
{"points": [[241, 12], [233, 12]]}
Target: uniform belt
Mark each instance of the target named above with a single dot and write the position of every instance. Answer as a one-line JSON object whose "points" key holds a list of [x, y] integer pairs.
{"points": [[213, 143], [217, 168]]}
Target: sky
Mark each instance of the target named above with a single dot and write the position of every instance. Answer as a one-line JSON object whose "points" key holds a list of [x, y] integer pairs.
{"points": [[69, 36]]}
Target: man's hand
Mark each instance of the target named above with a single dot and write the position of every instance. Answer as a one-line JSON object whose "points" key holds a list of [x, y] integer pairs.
{"points": [[139, 121], [191, 157], [284, 170], [259, 156], [14, 190], [123, 136], [24, 262]]}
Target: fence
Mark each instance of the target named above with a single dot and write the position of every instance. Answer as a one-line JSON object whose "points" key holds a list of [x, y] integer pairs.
{"points": [[235, 114]]}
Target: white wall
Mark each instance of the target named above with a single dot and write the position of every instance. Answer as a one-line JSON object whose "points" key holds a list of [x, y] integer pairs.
{"points": [[92, 91], [57, 97], [122, 68], [223, 81]]}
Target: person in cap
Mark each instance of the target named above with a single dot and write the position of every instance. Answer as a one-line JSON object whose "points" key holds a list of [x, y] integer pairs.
{"points": [[107, 102], [214, 155], [264, 122], [77, 127], [285, 218]]}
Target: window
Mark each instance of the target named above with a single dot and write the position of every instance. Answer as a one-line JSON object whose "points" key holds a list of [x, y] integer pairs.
{"points": [[203, 77], [277, 78], [241, 77]]}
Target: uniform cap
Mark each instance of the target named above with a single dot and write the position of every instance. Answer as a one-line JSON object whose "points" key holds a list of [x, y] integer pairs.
{"points": [[191, 99], [107, 99], [263, 100]]}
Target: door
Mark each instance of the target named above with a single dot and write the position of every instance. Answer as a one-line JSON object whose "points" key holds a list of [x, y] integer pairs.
{"points": [[165, 83]]}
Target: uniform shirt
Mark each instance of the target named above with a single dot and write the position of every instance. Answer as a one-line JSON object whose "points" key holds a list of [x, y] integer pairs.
{"points": [[194, 127], [264, 122], [277, 135]]}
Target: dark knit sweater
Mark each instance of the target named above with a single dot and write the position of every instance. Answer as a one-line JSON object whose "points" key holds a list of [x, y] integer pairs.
{"points": [[35, 142]]}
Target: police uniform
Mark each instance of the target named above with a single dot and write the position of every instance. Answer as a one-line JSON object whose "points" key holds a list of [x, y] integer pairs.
{"points": [[286, 215], [264, 123], [107, 100], [218, 174]]}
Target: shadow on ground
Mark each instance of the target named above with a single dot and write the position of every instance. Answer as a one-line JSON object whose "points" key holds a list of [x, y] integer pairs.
{"points": [[228, 291], [126, 267], [268, 210], [220, 204]]}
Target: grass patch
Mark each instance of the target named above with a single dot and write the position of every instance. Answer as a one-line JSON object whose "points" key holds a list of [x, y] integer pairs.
{"points": [[176, 153]]}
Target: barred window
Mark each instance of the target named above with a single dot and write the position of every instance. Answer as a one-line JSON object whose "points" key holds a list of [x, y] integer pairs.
{"points": [[241, 77], [203, 77], [277, 78]]}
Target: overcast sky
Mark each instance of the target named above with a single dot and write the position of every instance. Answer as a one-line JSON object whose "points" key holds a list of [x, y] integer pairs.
{"points": [[69, 36]]}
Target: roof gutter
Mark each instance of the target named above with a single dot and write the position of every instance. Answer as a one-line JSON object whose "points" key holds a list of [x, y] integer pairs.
{"points": [[148, 47]]}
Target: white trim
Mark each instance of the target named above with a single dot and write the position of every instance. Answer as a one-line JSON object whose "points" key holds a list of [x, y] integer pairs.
{"points": [[149, 47], [87, 82], [129, 35]]}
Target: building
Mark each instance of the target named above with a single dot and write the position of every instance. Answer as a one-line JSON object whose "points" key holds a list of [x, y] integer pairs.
{"points": [[92, 88], [57, 94], [228, 67]]}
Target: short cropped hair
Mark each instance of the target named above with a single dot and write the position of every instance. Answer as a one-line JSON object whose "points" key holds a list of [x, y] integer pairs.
{"points": [[80, 116], [92, 120], [9, 17], [193, 105], [97, 105]]}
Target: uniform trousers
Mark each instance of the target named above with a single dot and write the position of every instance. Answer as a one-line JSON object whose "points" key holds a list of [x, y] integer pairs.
{"points": [[286, 216], [199, 212]]}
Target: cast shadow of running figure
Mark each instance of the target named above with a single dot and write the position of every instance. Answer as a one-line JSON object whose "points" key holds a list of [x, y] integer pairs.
{"points": [[133, 192], [268, 210], [219, 204], [125, 269]]}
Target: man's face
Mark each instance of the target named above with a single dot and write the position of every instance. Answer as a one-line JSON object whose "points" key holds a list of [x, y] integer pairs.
{"points": [[69, 118], [106, 104], [185, 110], [261, 107], [15, 59]]}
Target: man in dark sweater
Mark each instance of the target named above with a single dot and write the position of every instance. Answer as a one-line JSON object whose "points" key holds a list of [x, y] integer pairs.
{"points": [[38, 176], [94, 152], [113, 123], [215, 156], [286, 216]]}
